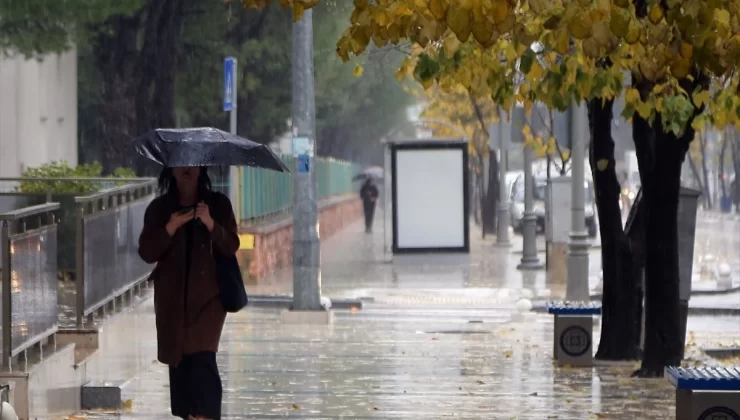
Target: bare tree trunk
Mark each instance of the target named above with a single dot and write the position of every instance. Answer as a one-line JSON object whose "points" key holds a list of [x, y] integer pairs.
{"points": [[620, 331]]}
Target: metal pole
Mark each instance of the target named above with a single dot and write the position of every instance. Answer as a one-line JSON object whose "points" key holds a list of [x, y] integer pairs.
{"points": [[387, 203], [578, 244], [306, 244], [233, 170], [530, 260], [80, 264], [7, 299], [502, 232]]}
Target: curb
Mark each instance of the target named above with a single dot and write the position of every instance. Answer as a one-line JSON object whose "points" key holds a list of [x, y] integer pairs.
{"points": [[722, 353], [539, 307], [717, 215], [598, 296], [285, 301]]}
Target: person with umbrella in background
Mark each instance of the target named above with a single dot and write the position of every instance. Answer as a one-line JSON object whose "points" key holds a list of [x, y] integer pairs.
{"points": [[190, 232], [369, 194]]}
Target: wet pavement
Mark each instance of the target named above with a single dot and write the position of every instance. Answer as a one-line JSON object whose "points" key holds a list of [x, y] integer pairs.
{"points": [[442, 338]]}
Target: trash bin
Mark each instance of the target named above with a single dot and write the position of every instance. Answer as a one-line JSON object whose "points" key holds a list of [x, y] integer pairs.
{"points": [[688, 203], [725, 204]]}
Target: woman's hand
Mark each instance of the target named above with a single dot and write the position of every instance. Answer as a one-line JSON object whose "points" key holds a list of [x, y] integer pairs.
{"points": [[202, 213], [178, 219]]}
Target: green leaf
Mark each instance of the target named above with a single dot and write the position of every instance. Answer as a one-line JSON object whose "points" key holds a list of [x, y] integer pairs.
{"points": [[628, 111], [525, 63]]}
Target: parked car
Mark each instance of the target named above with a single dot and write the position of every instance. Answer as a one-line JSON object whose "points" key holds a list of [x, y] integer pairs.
{"points": [[516, 203]]}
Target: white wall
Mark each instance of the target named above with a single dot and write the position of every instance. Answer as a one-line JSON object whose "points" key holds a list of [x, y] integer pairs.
{"points": [[38, 111]]}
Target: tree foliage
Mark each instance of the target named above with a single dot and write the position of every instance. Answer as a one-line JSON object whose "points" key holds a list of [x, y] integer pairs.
{"points": [[37, 27], [556, 51]]}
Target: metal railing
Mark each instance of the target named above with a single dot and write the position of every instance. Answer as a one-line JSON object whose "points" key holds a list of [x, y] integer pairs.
{"points": [[108, 225], [29, 278], [29, 191], [267, 193]]}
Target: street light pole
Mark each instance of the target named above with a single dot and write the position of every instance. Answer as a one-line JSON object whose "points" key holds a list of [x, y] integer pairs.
{"points": [[306, 243], [530, 259], [578, 243], [502, 228]]}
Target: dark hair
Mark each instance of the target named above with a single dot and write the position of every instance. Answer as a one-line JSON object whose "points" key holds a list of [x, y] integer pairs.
{"points": [[167, 184]]}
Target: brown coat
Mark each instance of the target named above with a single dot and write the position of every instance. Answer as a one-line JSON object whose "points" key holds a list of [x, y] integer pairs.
{"points": [[180, 333]]}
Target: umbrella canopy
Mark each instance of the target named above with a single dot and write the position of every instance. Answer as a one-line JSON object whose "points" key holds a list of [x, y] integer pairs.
{"points": [[373, 172], [205, 147]]}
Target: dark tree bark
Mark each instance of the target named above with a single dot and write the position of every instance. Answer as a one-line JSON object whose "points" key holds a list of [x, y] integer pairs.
{"points": [[138, 82], [115, 52], [620, 332], [660, 156]]}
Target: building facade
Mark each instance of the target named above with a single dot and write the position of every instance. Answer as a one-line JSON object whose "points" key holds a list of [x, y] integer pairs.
{"points": [[38, 111]]}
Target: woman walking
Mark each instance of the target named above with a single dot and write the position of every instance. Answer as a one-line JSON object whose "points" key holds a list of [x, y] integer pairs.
{"points": [[182, 229]]}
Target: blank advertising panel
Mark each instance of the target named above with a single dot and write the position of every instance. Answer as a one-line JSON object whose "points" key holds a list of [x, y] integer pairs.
{"points": [[430, 202]]}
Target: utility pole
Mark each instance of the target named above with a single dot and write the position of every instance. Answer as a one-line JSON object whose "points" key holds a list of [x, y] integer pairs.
{"points": [[306, 244], [504, 137], [230, 104], [578, 243]]}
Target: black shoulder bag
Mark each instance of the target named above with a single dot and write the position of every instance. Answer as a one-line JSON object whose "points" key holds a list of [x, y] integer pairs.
{"points": [[231, 288], [232, 292]]}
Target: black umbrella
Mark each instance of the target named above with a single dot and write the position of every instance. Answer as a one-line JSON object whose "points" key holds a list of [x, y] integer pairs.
{"points": [[205, 147]]}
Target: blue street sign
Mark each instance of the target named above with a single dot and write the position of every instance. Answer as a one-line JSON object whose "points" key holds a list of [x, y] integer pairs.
{"points": [[229, 83], [303, 164]]}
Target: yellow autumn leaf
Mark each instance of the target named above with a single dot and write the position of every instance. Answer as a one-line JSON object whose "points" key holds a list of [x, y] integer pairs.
{"points": [[536, 72], [644, 109], [656, 14], [578, 28], [358, 71], [701, 98], [631, 96], [298, 10], [451, 45], [602, 164], [458, 20]]}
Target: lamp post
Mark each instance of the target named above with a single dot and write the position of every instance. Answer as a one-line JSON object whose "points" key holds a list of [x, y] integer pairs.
{"points": [[578, 243], [504, 137]]}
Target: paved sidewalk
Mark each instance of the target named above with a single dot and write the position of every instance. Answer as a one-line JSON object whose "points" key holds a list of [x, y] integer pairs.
{"points": [[442, 339], [408, 363]]}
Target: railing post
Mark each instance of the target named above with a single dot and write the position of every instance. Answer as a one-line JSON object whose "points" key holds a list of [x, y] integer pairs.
{"points": [[7, 299], [79, 264]]}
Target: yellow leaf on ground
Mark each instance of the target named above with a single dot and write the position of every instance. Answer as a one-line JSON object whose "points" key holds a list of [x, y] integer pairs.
{"points": [[358, 71]]}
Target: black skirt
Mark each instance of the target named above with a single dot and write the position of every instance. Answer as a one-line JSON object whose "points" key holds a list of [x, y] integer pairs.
{"points": [[195, 387]]}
